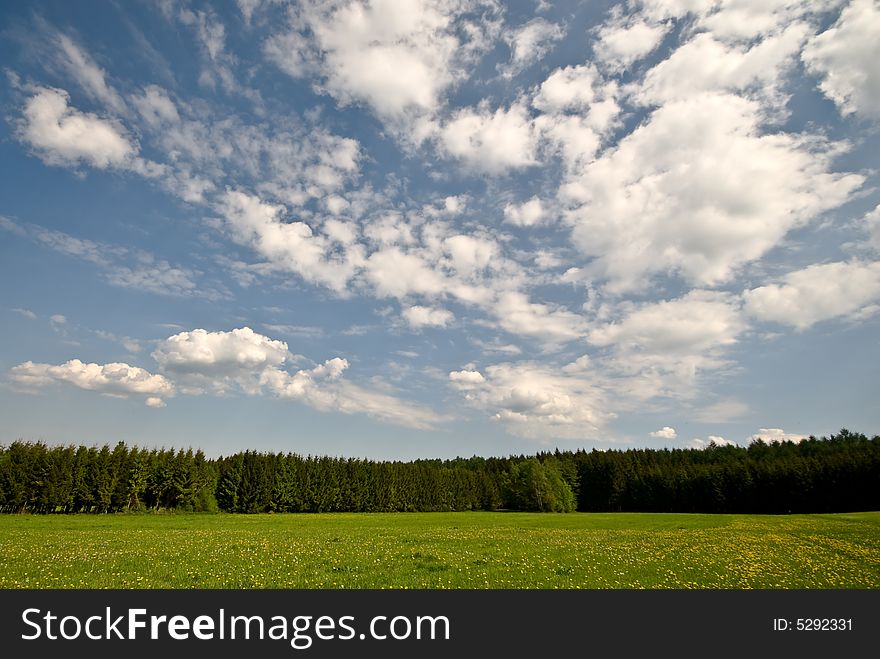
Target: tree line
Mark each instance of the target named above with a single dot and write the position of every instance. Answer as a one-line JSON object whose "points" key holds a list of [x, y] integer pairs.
{"points": [[829, 474]]}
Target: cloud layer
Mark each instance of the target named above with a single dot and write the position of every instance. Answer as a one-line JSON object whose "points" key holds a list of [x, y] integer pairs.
{"points": [[568, 218]]}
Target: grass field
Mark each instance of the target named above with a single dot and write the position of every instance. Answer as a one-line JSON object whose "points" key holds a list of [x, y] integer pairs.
{"points": [[440, 550]]}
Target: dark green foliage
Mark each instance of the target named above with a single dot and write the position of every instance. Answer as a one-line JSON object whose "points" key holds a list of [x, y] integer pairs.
{"points": [[833, 474]]}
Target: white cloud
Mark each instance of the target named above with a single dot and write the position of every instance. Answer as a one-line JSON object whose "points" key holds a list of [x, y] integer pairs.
{"points": [[87, 250], [62, 135], [658, 10], [872, 227], [705, 64], [816, 293], [156, 107], [322, 388], [515, 314], [572, 88], [27, 313], [623, 41], [490, 142], [288, 246], [247, 9], [694, 323], [662, 348], [749, 20], [665, 432], [663, 200], [776, 435], [394, 273], [393, 58], [470, 256], [282, 159], [697, 443], [536, 400], [845, 57], [58, 319], [153, 401], [220, 361], [466, 379], [527, 214], [158, 277], [418, 317], [579, 110], [396, 58], [89, 75], [241, 359], [529, 43], [218, 64], [113, 379], [573, 137]]}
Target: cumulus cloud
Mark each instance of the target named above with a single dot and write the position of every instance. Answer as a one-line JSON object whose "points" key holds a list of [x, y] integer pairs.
{"points": [[845, 58], [776, 435], [222, 362], [572, 88], [529, 43], [395, 273], [466, 379], [397, 59], [706, 64], [749, 20], [517, 315], [665, 432], [490, 142], [527, 214], [696, 322], [62, 135], [323, 389], [667, 344], [536, 400], [116, 379], [662, 200], [289, 246], [578, 110], [469, 256], [219, 361], [418, 317], [623, 41], [818, 292], [697, 443]]}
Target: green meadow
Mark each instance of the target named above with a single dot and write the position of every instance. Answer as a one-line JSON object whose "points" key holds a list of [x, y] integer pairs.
{"points": [[440, 550]]}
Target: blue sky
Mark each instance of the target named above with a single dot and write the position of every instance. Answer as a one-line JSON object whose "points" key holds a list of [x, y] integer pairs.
{"points": [[429, 229]]}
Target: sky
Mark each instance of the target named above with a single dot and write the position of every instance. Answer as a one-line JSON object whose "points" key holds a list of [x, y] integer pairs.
{"points": [[422, 229]]}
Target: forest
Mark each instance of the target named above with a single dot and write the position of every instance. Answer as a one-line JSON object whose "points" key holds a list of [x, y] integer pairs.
{"points": [[839, 473]]}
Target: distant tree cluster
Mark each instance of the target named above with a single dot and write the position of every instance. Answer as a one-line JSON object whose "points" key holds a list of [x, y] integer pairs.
{"points": [[832, 474], [65, 479], [835, 474]]}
